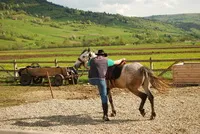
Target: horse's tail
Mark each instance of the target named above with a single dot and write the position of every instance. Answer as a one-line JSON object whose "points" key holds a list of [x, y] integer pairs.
{"points": [[157, 82]]}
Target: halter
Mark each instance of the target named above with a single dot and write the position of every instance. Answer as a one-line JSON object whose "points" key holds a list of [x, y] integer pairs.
{"points": [[83, 62]]}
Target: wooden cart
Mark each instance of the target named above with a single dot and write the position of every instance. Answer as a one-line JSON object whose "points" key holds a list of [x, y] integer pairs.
{"points": [[58, 75]]}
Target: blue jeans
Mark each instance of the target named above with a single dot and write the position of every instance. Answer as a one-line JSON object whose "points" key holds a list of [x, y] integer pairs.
{"points": [[102, 88]]}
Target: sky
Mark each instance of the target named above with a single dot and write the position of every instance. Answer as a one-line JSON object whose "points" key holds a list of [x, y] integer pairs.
{"points": [[135, 8]]}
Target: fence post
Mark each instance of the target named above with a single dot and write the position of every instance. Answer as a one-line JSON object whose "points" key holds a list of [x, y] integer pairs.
{"points": [[15, 69], [56, 62], [151, 63]]}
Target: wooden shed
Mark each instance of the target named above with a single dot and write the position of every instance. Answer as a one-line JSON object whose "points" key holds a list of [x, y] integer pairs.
{"points": [[186, 73]]}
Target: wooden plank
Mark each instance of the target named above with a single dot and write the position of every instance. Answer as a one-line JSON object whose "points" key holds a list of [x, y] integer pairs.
{"points": [[186, 70], [187, 77], [189, 73], [153, 60], [191, 63], [186, 81], [179, 67], [182, 73], [183, 68], [189, 66], [191, 82]]}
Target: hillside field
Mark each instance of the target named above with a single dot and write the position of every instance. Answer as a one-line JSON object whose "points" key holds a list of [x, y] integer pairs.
{"points": [[39, 25]]}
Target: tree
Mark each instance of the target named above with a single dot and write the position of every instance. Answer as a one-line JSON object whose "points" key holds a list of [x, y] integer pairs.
{"points": [[2, 6], [47, 19]]}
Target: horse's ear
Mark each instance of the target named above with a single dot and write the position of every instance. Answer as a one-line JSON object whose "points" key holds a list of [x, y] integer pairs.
{"points": [[88, 49]]}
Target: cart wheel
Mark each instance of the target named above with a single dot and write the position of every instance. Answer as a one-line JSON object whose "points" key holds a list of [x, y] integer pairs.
{"points": [[25, 79], [37, 80], [58, 80]]}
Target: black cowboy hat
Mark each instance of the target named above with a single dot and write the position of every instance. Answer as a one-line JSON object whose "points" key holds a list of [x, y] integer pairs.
{"points": [[101, 52]]}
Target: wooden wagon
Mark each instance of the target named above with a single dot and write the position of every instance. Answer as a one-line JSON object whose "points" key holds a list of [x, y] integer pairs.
{"points": [[186, 73], [58, 75]]}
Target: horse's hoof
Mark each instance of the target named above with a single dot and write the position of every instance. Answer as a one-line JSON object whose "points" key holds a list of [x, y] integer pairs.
{"points": [[153, 115], [113, 114], [142, 112]]}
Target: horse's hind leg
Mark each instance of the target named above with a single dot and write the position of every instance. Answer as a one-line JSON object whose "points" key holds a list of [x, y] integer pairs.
{"points": [[143, 97], [111, 103], [140, 94], [151, 99], [146, 87]]}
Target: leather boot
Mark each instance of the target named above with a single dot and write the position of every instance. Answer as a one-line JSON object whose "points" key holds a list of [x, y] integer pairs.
{"points": [[105, 112]]}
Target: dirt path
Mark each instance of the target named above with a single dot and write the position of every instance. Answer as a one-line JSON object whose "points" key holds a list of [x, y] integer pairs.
{"points": [[177, 112]]}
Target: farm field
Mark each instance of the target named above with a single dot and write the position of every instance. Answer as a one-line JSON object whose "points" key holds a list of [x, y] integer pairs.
{"points": [[130, 52]]}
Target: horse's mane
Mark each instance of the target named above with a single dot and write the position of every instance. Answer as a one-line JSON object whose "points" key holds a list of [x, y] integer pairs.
{"points": [[83, 51]]}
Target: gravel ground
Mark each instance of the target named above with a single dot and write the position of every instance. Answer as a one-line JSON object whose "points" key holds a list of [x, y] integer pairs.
{"points": [[178, 111]]}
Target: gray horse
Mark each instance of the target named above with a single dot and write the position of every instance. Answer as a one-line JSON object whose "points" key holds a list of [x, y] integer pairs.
{"points": [[132, 76]]}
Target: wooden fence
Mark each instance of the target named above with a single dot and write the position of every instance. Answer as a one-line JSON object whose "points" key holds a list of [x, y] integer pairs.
{"points": [[13, 72]]}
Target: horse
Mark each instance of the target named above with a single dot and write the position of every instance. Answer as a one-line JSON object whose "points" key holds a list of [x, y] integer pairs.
{"points": [[133, 76]]}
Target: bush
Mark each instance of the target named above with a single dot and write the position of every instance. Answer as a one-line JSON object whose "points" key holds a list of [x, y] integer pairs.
{"points": [[55, 25], [27, 37], [37, 21], [17, 46], [44, 46], [8, 37], [47, 19], [66, 41]]}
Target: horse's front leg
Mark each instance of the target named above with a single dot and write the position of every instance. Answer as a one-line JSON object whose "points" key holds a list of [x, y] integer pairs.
{"points": [[111, 103]]}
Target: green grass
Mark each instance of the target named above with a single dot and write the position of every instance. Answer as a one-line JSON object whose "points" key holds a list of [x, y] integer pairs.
{"points": [[109, 49]]}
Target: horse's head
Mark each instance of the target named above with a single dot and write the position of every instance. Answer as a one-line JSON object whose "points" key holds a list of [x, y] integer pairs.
{"points": [[84, 57]]}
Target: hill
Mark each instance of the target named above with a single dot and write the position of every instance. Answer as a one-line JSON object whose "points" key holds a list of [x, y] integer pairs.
{"points": [[188, 22], [28, 24]]}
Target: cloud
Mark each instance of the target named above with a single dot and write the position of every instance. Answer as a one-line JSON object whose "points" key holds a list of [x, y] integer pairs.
{"points": [[114, 2], [168, 5], [115, 8], [134, 7]]}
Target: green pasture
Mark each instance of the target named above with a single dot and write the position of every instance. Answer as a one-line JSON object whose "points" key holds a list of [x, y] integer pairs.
{"points": [[110, 49], [28, 34], [21, 31], [43, 55], [69, 52]]}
